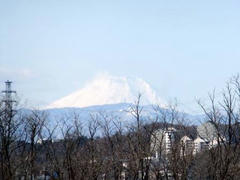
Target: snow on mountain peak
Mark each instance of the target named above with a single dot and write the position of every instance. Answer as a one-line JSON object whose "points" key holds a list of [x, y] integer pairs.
{"points": [[107, 89]]}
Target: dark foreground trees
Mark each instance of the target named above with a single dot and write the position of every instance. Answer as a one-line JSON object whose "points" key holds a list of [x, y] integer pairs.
{"points": [[223, 160], [160, 146]]}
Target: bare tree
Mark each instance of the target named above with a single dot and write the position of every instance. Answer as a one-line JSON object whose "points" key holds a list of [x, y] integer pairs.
{"points": [[34, 123], [223, 116], [10, 133]]}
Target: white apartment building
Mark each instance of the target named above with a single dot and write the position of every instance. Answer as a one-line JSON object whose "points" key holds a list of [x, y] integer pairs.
{"points": [[187, 146], [162, 141], [200, 145]]}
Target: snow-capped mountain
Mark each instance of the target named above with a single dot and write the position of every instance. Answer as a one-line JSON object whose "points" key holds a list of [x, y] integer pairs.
{"points": [[107, 89], [106, 96]]}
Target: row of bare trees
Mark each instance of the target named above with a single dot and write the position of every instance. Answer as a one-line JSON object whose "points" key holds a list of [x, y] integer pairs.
{"points": [[106, 147]]}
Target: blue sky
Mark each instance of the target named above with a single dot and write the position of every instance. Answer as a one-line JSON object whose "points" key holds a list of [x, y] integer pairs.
{"points": [[184, 49]]}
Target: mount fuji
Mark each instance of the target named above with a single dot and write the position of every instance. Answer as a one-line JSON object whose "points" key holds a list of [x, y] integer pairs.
{"points": [[106, 89], [110, 95]]}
